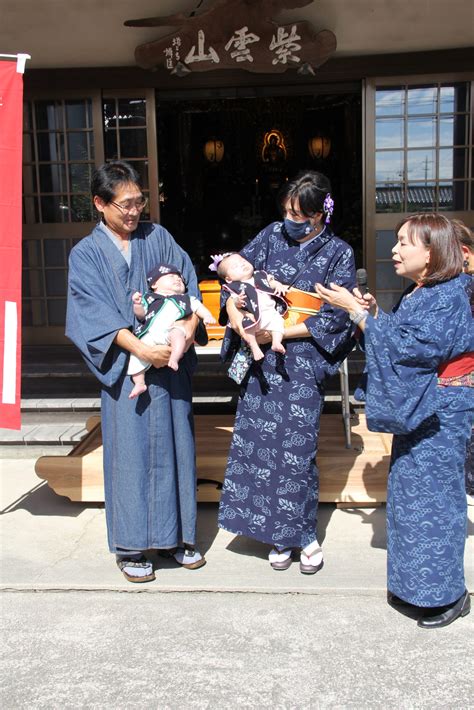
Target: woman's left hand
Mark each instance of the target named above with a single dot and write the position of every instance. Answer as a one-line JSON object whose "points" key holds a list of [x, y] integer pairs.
{"points": [[337, 296], [263, 336]]}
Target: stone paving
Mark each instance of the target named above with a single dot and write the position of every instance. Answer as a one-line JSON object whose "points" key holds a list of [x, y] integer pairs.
{"points": [[234, 634], [51, 543]]}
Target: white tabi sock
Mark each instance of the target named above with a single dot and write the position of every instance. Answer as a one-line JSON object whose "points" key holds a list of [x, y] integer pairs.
{"points": [[133, 570], [312, 554], [279, 554], [188, 557]]}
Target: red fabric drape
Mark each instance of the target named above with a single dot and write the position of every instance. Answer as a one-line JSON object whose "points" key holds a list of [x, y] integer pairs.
{"points": [[458, 366], [11, 127]]}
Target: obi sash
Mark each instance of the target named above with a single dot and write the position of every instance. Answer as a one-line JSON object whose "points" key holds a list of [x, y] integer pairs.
{"points": [[458, 372], [458, 366]]}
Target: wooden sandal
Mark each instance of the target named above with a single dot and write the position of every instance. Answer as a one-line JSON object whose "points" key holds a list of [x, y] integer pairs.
{"points": [[141, 562], [189, 558], [281, 564], [306, 567], [184, 556]]}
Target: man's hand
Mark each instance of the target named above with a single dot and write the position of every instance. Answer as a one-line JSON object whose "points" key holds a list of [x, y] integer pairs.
{"points": [[157, 355]]}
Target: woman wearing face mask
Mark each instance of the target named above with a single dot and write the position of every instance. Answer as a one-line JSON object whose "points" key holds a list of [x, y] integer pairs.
{"points": [[271, 487]]}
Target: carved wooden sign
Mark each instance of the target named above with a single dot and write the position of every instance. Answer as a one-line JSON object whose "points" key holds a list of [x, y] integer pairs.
{"points": [[235, 34]]}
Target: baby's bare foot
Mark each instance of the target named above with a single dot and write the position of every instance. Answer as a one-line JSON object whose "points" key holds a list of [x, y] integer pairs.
{"points": [[137, 391], [278, 348], [257, 353]]}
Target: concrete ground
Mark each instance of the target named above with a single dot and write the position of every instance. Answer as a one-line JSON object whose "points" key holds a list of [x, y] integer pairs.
{"points": [[232, 634], [227, 650]]}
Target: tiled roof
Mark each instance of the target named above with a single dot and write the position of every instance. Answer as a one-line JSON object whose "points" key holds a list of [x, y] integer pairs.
{"points": [[422, 195]]}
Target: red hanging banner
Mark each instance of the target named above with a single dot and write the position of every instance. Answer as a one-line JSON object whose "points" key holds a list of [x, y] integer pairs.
{"points": [[11, 129]]}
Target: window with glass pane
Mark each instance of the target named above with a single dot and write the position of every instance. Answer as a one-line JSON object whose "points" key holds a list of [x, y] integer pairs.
{"points": [[422, 148], [45, 280], [58, 158], [388, 284], [125, 135]]}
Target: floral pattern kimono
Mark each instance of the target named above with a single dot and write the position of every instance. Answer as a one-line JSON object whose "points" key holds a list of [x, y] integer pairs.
{"points": [[270, 491]]}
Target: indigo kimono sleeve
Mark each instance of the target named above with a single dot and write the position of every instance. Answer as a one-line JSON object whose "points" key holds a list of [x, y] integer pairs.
{"points": [[331, 327], [403, 353], [93, 318], [359, 335]]}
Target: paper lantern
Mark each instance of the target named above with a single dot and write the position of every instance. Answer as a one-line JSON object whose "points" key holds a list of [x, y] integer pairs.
{"points": [[214, 150], [319, 147]]}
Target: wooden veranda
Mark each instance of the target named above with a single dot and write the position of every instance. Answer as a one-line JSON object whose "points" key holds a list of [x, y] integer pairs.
{"points": [[354, 476]]}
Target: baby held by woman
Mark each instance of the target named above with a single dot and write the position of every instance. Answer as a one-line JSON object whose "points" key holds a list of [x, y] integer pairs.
{"points": [[254, 294]]}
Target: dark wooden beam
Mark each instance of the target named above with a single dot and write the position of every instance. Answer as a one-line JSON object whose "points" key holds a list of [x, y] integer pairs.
{"points": [[336, 69]]}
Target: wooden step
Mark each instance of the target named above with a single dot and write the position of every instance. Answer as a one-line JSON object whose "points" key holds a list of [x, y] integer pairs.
{"points": [[349, 477]]}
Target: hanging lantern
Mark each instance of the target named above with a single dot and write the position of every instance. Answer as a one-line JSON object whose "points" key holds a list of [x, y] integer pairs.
{"points": [[214, 150], [319, 147]]}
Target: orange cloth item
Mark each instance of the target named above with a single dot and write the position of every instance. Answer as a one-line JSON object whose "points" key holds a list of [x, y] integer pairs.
{"points": [[301, 305]]}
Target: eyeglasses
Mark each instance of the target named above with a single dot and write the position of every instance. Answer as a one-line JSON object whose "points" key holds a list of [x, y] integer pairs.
{"points": [[127, 207]]}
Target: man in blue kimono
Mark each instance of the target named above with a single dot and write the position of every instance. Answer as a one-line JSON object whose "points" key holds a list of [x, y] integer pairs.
{"points": [[149, 455]]}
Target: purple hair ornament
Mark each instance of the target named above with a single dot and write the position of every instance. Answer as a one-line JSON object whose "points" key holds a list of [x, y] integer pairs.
{"points": [[328, 207], [216, 260]]}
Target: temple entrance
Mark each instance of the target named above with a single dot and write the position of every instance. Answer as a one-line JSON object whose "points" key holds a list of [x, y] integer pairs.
{"points": [[212, 162], [222, 162]]}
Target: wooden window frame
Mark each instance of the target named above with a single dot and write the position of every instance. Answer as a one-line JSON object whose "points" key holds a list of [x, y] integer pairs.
{"points": [[373, 221], [46, 335]]}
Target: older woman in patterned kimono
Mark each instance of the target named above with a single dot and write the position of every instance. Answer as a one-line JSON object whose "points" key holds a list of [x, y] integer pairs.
{"points": [[420, 364], [149, 460], [270, 491]]}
